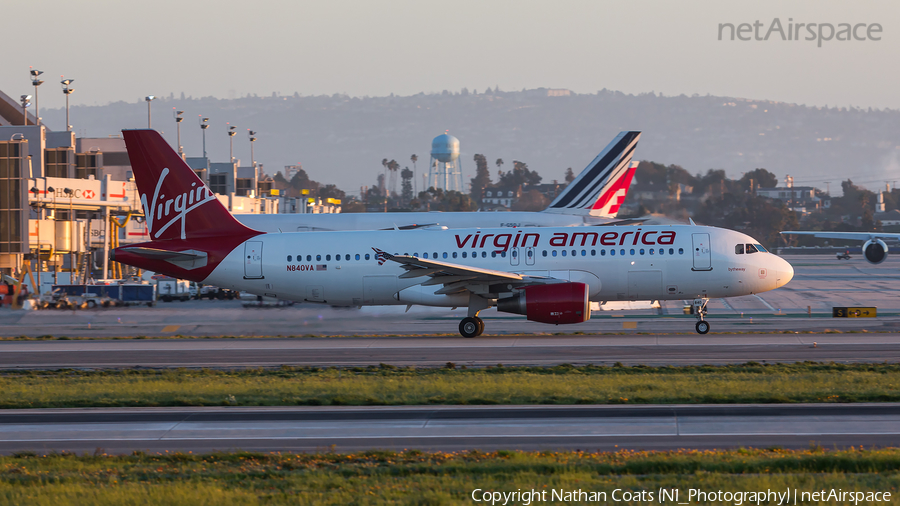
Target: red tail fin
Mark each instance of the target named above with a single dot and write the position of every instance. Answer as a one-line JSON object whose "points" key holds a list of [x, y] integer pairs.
{"points": [[177, 205]]}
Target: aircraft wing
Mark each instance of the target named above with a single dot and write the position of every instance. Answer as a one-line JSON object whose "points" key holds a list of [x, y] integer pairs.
{"points": [[189, 259], [459, 278], [850, 236]]}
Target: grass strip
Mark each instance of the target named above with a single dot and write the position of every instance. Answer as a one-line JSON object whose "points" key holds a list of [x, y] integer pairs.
{"points": [[389, 385], [417, 478]]}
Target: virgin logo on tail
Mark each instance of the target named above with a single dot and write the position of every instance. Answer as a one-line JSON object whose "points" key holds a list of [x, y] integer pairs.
{"points": [[159, 207]]}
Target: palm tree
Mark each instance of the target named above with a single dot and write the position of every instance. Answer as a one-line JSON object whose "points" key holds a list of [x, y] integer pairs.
{"points": [[414, 158], [393, 166], [384, 163]]}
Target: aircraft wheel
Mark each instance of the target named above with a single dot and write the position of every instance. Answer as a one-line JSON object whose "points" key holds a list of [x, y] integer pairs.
{"points": [[469, 327], [480, 325], [702, 327]]}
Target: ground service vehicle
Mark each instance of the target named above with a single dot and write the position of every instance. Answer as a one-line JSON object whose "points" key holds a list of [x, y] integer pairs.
{"points": [[550, 274]]}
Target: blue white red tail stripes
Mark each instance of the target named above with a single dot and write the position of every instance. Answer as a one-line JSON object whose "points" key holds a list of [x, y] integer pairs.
{"points": [[581, 195]]}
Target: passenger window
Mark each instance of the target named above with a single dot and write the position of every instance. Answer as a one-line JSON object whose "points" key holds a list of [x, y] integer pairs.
{"points": [[603, 252], [318, 258], [289, 258], [530, 253], [622, 252], [493, 254], [445, 254], [309, 258], [554, 252], [612, 252], [651, 251], [584, 253], [327, 258], [503, 254], [671, 251], [347, 256], [544, 253], [642, 251], [739, 249], [631, 252], [751, 249], [357, 256], [425, 255], [434, 255], [593, 252], [484, 254], [574, 253], [563, 252], [681, 251], [367, 256], [454, 255], [464, 254]]}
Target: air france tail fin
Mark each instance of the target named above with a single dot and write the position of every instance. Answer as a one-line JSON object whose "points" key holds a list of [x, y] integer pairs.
{"points": [[611, 199], [191, 232], [177, 205], [596, 181]]}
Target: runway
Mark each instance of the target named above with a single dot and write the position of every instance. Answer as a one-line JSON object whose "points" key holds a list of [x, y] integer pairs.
{"points": [[437, 351], [447, 428]]}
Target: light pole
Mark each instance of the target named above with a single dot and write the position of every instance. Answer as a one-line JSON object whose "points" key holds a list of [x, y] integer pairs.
{"points": [[35, 81], [25, 103], [204, 124], [252, 135], [149, 98], [68, 91], [178, 120], [231, 132]]}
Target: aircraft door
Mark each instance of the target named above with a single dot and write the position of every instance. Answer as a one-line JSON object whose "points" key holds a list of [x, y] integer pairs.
{"points": [[701, 252], [253, 260], [530, 253], [514, 256]]}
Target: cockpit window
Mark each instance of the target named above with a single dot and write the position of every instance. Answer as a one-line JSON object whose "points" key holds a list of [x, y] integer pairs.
{"points": [[751, 249], [760, 248], [739, 249]]}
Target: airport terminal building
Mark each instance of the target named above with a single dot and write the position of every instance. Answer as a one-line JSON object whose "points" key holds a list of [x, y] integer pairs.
{"points": [[66, 201]]}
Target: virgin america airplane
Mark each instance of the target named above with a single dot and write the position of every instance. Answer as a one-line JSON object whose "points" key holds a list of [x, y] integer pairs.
{"points": [[548, 274], [593, 198]]}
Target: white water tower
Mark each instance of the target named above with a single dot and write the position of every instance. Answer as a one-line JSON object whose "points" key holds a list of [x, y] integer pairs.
{"points": [[444, 171]]}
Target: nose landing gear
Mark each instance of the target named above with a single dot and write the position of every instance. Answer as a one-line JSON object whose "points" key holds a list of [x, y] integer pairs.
{"points": [[699, 309]]}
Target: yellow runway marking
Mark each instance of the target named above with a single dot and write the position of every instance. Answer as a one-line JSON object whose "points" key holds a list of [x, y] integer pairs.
{"points": [[629, 325], [171, 328]]}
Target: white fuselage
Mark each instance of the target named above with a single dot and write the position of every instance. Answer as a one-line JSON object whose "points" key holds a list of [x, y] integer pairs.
{"points": [[618, 263], [275, 223]]}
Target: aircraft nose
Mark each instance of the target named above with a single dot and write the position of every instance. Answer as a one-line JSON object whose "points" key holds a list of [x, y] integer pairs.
{"points": [[784, 272]]}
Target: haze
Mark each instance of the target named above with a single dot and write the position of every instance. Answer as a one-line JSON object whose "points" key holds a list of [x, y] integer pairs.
{"points": [[226, 49]]}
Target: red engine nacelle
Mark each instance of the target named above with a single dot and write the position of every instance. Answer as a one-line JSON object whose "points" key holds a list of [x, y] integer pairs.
{"points": [[556, 303]]}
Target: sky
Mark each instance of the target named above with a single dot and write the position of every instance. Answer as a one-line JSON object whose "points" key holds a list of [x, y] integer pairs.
{"points": [[118, 50]]}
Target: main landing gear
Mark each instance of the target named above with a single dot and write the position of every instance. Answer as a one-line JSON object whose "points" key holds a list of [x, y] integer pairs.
{"points": [[699, 309], [471, 326]]}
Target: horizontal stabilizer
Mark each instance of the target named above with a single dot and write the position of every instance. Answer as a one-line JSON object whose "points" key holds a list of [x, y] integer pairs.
{"points": [[190, 259]]}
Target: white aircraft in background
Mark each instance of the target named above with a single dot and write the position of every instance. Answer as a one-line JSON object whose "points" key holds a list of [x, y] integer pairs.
{"points": [[593, 198], [874, 248], [550, 275]]}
